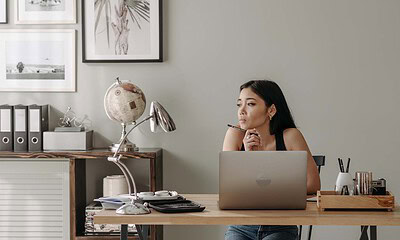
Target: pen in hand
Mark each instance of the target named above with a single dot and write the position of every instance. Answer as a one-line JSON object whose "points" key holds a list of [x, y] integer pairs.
{"points": [[237, 128], [241, 129]]}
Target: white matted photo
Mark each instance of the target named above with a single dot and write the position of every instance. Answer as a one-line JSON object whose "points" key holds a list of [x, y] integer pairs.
{"points": [[122, 31], [45, 11], [37, 60], [3, 11]]}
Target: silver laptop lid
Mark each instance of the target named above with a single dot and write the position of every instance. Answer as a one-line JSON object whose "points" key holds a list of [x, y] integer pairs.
{"points": [[262, 179]]}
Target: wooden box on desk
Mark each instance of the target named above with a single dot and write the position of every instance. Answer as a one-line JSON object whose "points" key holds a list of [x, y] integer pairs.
{"points": [[331, 200]]}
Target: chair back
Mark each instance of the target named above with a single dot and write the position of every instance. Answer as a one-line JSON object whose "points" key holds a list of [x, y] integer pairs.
{"points": [[319, 161]]}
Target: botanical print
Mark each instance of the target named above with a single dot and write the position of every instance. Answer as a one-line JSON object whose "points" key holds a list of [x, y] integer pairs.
{"points": [[45, 5], [122, 27], [35, 60]]}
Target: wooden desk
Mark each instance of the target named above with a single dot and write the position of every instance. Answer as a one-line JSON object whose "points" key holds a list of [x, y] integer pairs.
{"points": [[212, 215]]}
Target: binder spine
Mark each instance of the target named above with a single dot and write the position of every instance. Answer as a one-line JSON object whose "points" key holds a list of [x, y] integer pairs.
{"points": [[20, 128], [38, 122], [6, 128]]}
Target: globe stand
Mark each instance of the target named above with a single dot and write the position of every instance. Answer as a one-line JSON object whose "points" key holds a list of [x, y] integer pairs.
{"points": [[126, 145]]}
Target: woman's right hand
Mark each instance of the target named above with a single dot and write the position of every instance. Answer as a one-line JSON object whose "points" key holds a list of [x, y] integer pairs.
{"points": [[251, 140]]}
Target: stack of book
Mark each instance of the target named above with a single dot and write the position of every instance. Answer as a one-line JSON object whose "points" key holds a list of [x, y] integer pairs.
{"points": [[102, 229]]}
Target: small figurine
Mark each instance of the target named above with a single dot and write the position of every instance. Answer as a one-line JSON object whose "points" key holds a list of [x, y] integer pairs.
{"points": [[70, 123]]}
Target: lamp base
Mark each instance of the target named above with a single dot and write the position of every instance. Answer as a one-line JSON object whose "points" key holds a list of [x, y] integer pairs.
{"points": [[133, 209], [126, 147]]}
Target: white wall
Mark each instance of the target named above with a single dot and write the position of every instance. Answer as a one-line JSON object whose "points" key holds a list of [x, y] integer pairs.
{"points": [[338, 63]]}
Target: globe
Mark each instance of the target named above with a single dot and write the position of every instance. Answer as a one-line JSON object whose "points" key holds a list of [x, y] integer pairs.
{"points": [[124, 102]]}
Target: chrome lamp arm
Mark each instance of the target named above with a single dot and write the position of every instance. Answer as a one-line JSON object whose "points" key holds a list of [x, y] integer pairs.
{"points": [[116, 159], [126, 135]]}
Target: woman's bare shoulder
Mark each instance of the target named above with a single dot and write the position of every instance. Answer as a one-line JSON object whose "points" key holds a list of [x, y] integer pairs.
{"points": [[292, 133], [233, 140], [293, 138]]}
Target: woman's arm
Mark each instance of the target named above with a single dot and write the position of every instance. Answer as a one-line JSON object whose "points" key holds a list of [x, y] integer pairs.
{"points": [[295, 142], [233, 140]]}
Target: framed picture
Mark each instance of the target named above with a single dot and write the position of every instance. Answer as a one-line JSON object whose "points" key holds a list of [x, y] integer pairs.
{"points": [[122, 31], [45, 11], [37, 60], [3, 11]]}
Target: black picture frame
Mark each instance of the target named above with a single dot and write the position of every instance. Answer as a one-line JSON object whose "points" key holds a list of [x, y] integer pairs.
{"points": [[5, 21], [88, 41]]}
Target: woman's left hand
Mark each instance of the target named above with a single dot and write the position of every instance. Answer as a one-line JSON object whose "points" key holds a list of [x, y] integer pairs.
{"points": [[252, 140]]}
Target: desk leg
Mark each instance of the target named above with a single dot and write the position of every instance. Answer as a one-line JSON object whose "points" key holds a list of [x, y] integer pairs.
{"points": [[372, 232], [124, 232], [143, 231], [364, 233]]}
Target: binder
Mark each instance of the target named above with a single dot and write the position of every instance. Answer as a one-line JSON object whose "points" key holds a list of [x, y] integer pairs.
{"points": [[38, 122], [20, 128], [6, 128]]}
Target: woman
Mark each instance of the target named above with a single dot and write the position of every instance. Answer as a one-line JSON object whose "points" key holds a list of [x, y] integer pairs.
{"points": [[264, 113]]}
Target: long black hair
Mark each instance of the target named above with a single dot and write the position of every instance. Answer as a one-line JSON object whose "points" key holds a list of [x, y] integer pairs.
{"points": [[271, 93]]}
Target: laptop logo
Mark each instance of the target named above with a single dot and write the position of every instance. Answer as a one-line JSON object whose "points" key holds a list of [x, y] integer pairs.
{"points": [[263, 181]]}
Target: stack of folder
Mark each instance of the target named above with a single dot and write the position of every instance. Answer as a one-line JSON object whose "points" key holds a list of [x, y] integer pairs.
{"points": [[22, 127]]}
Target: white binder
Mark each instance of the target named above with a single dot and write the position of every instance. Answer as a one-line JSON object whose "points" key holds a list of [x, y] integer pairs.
{"points": [[6, 128], [38, 123]]}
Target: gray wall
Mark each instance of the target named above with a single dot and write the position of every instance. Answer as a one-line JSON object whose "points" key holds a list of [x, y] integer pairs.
{"points": [[338, 62]]}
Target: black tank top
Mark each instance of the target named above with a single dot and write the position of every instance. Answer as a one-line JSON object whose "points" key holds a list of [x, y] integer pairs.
{"points": [[280, 143]]}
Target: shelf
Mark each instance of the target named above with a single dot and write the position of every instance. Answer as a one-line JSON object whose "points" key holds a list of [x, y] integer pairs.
{"points": [[104, 237], [91, 154]]}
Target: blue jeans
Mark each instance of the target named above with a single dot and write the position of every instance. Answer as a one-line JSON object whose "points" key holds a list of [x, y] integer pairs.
{"points": [[255, 232]]}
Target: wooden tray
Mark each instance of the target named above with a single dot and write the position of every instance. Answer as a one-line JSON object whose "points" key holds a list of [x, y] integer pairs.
{"points": [[330, 200]]}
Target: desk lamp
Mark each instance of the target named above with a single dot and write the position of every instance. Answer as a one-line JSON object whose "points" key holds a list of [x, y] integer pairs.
{"points": [[159, 118]]}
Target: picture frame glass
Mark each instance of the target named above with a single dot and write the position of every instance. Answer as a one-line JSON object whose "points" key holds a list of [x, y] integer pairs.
{"points": [[45, 11], [37, 60], [117, 30]]}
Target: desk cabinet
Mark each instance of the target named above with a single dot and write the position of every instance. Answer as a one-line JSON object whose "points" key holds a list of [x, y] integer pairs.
{"points": [[34, 197], [86, 172]]}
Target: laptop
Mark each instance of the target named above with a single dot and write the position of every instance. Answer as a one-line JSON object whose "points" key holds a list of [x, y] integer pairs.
{"points": [[262, 180]]}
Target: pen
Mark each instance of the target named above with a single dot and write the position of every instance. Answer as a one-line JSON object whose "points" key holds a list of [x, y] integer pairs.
{"points": [[237, 128], [341, 165], [348, 165]]}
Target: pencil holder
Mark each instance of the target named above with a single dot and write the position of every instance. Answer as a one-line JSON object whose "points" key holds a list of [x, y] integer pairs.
{"points": [[344, 184]]}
